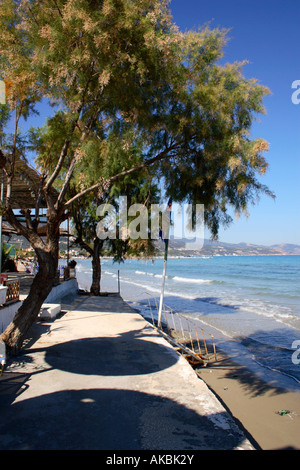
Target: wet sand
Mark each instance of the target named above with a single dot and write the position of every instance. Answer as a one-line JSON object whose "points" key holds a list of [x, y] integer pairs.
{"points": [[269, 414]]}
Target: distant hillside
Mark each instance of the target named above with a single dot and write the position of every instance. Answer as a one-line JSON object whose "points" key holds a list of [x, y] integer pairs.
{"points": [[217, 248], [211, 248], [288, 247]]}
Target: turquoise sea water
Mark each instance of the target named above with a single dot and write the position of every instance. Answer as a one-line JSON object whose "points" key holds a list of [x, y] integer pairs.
{"points": [[254, 300]]}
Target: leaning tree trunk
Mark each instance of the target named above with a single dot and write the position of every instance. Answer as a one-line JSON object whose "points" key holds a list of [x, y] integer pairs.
{"points": [[16, 331], [96, 267], [47, 255]]}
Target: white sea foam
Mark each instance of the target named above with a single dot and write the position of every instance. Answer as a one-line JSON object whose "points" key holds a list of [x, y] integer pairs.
{"points": [[144, 273], [191, 280]]}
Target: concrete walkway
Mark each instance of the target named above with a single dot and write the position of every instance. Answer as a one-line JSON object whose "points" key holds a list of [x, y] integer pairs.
{"points": [[100, 377]]}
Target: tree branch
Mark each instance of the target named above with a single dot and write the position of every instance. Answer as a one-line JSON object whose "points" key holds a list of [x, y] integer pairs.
{"points": [[8, 191], [38, 201], [79, 230], [2, 160], [63, 153], [106, 183], [84, 245], [27, 215], [73, 163], [31, 235], [67, 143]]}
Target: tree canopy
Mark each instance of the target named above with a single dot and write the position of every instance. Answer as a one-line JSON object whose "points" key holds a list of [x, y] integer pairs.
{"points": [[132, 94]]}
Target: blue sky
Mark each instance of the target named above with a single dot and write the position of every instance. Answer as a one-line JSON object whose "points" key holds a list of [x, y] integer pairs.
{"points": [[266, 33]]}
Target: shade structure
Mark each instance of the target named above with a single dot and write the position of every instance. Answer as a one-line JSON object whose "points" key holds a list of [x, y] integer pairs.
{"points": [[42, 231], [25, 186]]}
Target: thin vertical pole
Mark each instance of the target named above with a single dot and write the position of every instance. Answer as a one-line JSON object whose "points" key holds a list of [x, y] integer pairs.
{"points": [[163, 284], [182, 332], [164, 268], [68, 241], [205, 343], [198, 340]]}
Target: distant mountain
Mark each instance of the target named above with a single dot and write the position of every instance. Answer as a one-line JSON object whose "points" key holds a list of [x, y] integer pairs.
{"points": [[288, 247], [180, 247]]}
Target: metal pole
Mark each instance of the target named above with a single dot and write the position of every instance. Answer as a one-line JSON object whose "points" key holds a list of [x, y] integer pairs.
{"points": [[68, 242], [164, 269], [163, 283]]}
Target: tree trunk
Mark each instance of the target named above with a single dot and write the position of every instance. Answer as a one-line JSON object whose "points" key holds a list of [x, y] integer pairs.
{"points": [[47, 256], [16, 331], [96, 267]]}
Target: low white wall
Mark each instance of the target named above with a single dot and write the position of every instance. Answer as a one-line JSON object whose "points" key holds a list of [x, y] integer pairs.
{"points": [[7, 314], [58, 292], [63, 289]]}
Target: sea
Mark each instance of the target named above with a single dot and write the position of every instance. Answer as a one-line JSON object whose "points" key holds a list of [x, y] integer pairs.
{"points": [[251, 304]]}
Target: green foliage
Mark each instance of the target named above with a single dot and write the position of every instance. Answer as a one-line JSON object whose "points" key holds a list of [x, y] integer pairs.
{"points": [[132, 89], [80, 47], [6, 249], [46, 142], [4, 115]]}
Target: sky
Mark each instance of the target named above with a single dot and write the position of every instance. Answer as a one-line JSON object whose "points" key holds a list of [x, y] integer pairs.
{"points": [[266, 33]]}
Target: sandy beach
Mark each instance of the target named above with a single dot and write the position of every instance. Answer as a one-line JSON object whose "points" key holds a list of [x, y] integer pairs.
{"points": [[269, 414]]}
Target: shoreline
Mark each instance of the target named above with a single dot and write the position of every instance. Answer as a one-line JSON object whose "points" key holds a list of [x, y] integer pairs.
{"points": [[207, 256], [266, 412], [269, 414]]}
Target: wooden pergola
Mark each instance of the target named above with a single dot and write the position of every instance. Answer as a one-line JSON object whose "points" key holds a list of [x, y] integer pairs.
{"points": [[42, 230], [25, 186], [25, 189]]}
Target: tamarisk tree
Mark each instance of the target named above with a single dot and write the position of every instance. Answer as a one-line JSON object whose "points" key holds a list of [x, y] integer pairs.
{"points": [[119, 245], [105, 156], [123, 61], [115, 238]]}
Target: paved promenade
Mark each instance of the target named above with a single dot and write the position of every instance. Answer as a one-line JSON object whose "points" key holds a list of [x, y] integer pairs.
{"points": [[100, 377]]}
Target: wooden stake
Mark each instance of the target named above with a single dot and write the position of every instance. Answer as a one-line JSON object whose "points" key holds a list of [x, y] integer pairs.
{"points": [[213, 338], [205, 343], [151, 312], [198, 341], [182, 332], [192, 343]]}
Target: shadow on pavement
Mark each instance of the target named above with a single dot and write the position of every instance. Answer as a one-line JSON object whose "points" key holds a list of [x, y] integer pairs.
{"points": [[126, 354], [106, 419]]}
